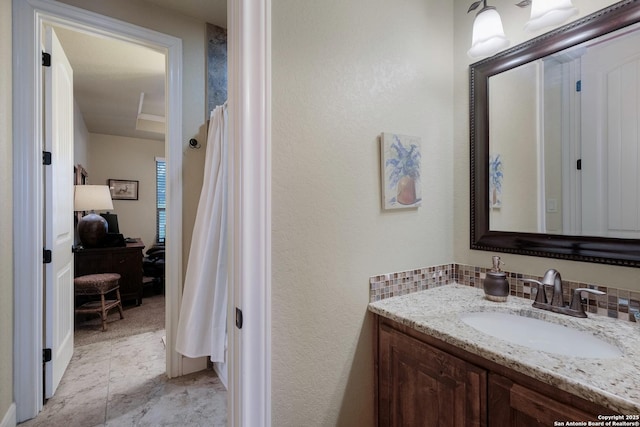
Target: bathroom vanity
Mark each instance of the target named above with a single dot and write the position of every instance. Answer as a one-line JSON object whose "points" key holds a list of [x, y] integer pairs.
{"points": [[434, 369]]}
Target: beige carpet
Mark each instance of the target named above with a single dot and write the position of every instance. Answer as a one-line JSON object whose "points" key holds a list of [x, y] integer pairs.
{"points": [[147, 317]]}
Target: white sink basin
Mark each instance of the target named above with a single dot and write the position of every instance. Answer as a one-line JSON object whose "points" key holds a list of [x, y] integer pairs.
{"points": [[540, 335]]}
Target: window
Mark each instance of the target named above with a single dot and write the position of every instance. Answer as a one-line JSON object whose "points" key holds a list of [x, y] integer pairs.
{"points": [[161, 203]]}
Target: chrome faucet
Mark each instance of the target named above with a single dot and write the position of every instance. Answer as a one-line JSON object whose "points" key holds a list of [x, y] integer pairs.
{"points": [[553, 279]]}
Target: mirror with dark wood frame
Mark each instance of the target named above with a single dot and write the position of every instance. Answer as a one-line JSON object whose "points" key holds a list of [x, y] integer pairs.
{"points": [[484, 236]]}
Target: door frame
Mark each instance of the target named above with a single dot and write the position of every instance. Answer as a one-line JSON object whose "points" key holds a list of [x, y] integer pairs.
{"points": [[249, 397], [28, 18]]}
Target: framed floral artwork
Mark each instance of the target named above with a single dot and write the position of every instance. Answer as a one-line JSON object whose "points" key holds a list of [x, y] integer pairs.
{"points": [[496, 175], [400, 158]]}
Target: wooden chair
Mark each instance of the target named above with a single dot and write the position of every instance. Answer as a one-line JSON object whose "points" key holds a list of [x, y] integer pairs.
{"points": [[99, 284]]}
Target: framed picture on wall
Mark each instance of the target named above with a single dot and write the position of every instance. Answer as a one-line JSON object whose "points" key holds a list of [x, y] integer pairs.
{"points": [[123, 189], [401, 157]]}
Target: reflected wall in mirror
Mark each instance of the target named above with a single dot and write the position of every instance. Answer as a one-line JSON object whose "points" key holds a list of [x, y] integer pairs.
{"points": [[562, 114]]}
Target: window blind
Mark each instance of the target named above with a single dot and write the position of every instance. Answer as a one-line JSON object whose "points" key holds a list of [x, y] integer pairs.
{"points": [[161, 202]]}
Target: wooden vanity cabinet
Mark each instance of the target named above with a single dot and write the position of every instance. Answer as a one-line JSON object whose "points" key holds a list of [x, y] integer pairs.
{"points": [[419, 385], [422, 381], [511, 404]]}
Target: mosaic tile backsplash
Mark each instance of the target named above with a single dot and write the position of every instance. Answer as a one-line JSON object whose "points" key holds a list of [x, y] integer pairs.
{"points": [[617, 303], [406, 282]]}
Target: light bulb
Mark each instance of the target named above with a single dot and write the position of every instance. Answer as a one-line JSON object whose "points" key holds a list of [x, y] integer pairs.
{"points": [[488, 33], [548, 13]]}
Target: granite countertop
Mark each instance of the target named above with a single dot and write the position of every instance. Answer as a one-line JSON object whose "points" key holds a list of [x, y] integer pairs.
{"points": [[613, 383]]}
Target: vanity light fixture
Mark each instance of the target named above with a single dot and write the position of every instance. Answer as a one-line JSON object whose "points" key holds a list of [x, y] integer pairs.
{"points": [[488, 34], [547, 13]]}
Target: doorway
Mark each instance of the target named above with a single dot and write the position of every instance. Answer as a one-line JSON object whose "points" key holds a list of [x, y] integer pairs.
{"points": [[250, 200], [28, 204], [118, 87]]}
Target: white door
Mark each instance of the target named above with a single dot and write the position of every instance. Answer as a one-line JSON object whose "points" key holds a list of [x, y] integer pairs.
{"points": [[58, 213], [611, 138]]}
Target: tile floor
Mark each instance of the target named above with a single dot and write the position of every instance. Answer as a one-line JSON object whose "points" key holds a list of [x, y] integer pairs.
{"points": [[122, 382]]}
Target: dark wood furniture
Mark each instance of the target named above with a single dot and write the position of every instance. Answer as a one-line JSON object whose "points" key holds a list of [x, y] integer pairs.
{"points": [[125, 261], [423, 381]]}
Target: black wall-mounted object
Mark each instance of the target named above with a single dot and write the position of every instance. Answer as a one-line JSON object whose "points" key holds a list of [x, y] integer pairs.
{"points": [[239, 319]]}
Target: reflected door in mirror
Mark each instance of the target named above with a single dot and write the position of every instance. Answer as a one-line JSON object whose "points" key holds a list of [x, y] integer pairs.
{"points": [[610, 137]]}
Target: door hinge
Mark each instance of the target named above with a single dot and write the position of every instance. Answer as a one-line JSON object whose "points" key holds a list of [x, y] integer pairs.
{"points": [[46, 59], [579, 86], [46, 256], [46, 355], [579, 164], [46, 158], [238, 318]]}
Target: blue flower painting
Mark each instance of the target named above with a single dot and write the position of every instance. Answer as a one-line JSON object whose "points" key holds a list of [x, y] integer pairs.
{"points": [[496, 175], [401, 171]]}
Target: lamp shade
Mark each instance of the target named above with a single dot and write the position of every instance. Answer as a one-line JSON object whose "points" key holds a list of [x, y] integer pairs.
{"points": [[547, 13], [488, 33], [92, 198]]}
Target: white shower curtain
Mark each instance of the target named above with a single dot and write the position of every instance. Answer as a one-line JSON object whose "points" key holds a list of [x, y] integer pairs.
{"points": [[203, 315]]}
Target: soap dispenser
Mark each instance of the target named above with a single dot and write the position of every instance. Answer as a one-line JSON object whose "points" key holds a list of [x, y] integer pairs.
{"points": [[496, 286]]}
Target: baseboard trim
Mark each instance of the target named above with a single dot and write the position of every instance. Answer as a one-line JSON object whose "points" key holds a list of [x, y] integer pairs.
{"points": [[221, 370], [191, 365], [9, 419]]}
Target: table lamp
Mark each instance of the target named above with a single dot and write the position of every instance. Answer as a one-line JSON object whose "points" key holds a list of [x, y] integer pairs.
{"points": [[92, 228]]}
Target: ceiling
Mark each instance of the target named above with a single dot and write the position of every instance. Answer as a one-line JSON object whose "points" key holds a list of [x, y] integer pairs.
{"points": [[211, 11], [110, 75]]}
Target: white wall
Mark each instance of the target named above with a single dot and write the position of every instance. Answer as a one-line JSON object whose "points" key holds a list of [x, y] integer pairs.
{"points": [[513, 119], [118, 157], [514, 19], [343, 73], [6, 213], [553, 143], [80, 138]]}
